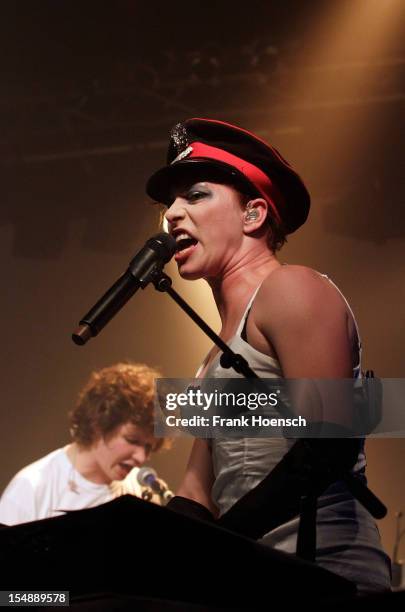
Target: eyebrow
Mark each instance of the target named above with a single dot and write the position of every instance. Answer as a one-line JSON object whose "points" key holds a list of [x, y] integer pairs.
{"points": [[186, 187], [188, 184]]}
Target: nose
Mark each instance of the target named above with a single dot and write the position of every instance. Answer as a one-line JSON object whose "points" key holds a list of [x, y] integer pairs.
{"points": [[176, 211], [140, 455]]}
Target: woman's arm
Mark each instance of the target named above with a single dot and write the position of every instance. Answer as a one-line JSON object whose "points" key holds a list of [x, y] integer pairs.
{"points": [[199, 477], [305, 321]]}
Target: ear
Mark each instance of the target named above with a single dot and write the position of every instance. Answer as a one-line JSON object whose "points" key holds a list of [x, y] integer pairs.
{"points": [[255, 215]]}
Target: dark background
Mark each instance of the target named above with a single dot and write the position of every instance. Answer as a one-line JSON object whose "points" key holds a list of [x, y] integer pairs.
{"points": [[89, 93]]}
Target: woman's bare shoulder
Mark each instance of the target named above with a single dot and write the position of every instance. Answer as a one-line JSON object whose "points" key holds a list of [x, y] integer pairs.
{"points": [[290, 288], [292, 278]]}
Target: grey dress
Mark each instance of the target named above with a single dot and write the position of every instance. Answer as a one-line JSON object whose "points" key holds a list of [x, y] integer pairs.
{"points": [[348, 541]]}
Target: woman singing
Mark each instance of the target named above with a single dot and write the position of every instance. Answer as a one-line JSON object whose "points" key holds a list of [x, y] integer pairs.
{"points": [[231, 201]]}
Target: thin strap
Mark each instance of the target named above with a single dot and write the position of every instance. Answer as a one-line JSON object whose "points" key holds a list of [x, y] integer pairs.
{"points": [[243, 333], [246, 313], [238, 331], [349, 308]]}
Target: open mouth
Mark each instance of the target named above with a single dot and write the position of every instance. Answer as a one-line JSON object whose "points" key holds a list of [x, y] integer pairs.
{"points": [[126, 467], [184, 241], [185, 245]]}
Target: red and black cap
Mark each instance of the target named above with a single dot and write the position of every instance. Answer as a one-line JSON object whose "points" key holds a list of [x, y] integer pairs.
{"points": [[218, 150]]}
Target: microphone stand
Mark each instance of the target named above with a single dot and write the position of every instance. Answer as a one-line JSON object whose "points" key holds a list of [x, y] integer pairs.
{"points": [[311, 483], [229, 359]]}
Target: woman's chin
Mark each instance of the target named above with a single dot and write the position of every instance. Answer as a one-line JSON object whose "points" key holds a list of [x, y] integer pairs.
{"points": [[190, 271], [190, 274]]}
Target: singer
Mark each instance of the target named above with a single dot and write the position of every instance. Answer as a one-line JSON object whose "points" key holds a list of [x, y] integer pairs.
{"points": [[111, 428], [231, 201]]}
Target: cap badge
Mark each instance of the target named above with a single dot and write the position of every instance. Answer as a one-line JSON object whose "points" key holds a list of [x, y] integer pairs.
{"points": [[183, 154]]}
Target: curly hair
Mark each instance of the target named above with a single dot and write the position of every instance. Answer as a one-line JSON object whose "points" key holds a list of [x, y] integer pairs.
{"points": [[120, 394]]}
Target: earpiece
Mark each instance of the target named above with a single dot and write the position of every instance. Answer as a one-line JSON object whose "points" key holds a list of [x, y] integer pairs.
{"points": [[252, 214]]}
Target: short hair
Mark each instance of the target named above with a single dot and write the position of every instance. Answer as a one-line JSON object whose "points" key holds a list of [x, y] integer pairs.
{"points": [[122, 393], [277, 235]]}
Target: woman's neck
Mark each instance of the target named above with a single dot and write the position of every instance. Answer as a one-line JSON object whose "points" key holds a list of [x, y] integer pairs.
{"points": [[233, 291]]}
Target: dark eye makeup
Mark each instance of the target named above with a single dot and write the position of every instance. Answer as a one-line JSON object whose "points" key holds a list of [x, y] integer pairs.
{"points": [[192, 194], [195, 194]]}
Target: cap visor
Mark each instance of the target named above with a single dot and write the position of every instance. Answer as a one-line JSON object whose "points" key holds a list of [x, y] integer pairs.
{"points": [[162, 184]]}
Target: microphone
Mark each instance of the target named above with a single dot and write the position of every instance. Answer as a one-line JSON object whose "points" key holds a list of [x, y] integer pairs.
{"points": [[147, 477], [157, 251]]}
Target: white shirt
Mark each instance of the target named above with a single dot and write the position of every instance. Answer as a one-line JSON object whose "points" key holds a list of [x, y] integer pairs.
{"points": [[51, 485]]}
